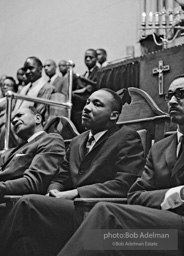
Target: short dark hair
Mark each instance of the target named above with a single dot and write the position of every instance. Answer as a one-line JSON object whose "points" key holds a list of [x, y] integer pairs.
{"points": [[38, 61], [102, 50], [15, 85], [92, 50], [117, 103]]}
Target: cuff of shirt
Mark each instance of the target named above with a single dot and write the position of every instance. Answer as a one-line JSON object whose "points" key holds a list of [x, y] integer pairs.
{"points": [[172, 198]]}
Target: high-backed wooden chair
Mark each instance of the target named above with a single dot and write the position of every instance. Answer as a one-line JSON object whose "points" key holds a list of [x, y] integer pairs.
{"points": [[63, 126], [143, 113]]}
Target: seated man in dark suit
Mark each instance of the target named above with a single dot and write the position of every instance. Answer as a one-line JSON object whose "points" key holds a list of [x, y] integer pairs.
{"points": [[102, 162], [158, 196], [30, 167]]}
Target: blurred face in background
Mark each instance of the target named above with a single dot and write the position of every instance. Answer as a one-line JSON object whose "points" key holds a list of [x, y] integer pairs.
{"points": [[21, 77], [101, 56], [63, 67], [90, 59], [8, 85], [50, 68]]}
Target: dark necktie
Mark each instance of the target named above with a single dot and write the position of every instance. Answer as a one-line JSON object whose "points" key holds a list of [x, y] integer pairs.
{"points": [[89, 142], [28, 89], [182, 145]]}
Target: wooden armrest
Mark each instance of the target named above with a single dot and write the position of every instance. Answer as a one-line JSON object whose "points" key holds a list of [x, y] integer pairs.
{"points": [[11, 200]]}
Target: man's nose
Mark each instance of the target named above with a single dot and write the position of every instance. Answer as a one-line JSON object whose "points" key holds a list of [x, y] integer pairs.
{"points": [[87, 108], [27, 71], [173, 100]]}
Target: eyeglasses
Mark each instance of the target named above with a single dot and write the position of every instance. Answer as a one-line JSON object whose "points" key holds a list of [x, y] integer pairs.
{"points": [[178, 94]]}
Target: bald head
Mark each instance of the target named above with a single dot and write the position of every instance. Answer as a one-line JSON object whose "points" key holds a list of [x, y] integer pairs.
{"points": [[63, 67], [50, 67]]}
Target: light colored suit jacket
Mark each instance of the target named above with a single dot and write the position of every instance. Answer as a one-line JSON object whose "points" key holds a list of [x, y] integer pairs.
{"points": [[61, 85]]}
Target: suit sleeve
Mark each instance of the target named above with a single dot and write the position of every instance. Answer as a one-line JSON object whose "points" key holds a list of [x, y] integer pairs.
{"points": [[144, 191], [44, 165], [128, 166], [59, 182]]}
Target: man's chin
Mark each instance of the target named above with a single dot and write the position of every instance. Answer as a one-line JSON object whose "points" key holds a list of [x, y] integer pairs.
{"points": [[86, 125], [177, 119]]}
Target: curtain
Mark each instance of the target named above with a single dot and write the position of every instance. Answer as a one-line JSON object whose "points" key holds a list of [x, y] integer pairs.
{"points": [[120, 75]]}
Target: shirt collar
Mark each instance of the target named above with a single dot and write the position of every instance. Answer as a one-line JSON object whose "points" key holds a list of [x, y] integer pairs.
{"points": [[179, 134], [34, 136], [97, 136], [90, 70]]}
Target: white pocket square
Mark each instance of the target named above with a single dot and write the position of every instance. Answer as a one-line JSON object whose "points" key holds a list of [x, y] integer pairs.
{"points": [[19, 155]]}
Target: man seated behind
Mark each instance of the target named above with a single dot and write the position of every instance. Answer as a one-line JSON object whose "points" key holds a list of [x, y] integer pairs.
{"points": [[37, 87], [157, 197], [102, 162], [30, 167], [9, 84]]}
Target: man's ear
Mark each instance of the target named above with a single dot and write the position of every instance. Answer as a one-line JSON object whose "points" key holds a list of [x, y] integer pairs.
{"points": [[38, 119], [114, 115]]}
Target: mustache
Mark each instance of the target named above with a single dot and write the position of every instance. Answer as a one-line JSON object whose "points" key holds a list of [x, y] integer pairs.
{"points": [[173, 108]]}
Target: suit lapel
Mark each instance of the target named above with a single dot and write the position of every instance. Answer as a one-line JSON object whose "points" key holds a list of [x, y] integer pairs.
{"points": [[174, 164], [91, 75], [19, 149], [105, 137], [171, 152], [82, 144], [55, 81], [11, 154], [179, 164]]}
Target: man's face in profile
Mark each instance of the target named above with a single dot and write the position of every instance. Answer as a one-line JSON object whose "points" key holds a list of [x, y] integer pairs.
{"points": [[176, 101], [97, 112]]}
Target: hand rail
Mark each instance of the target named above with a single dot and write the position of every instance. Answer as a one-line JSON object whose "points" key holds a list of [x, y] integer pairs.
{"points": [[70, 66], [11, 95]]}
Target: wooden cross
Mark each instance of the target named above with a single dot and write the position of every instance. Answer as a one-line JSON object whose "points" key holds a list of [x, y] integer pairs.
{"points": [[161, 68]]}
